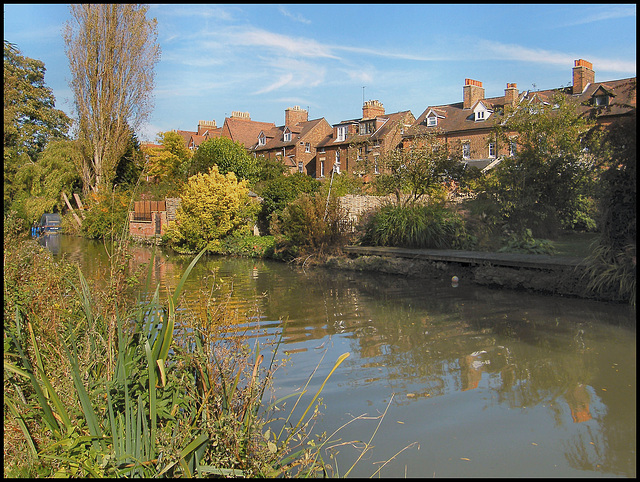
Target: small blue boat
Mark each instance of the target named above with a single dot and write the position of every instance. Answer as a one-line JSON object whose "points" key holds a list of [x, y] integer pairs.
{"points": [[49, 223]]}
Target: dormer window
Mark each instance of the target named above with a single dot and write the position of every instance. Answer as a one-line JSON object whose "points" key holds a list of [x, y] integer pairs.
{"points": [[262, 139], [601, 100], [432, 121], [481, 113], [287, 135], [341, 133]]}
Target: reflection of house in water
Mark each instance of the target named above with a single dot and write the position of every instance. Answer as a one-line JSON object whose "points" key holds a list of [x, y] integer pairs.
{"points": [[471, 367], [578, 400]]}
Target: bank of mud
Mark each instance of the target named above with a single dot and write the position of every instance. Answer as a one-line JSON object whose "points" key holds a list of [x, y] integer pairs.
{"points": [[559, 281]]}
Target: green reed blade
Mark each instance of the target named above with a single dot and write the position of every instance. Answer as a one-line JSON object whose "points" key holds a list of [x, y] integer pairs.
{"points": [[342, 357], [23, 426]]}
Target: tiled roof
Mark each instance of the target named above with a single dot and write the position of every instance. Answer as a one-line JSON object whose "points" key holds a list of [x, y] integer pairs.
{"points": [[457, 119], [246, 131], [390, 123], [275, 135]]}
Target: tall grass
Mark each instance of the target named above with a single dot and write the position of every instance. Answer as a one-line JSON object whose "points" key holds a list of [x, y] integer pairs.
{"points": [[168, 407], [416, 226]]}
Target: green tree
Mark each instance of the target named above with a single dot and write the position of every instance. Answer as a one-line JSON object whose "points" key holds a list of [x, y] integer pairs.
{"points": [[212, 206], [229, 156], [30, 117], [279, 192], [414, 173], [131, 163], [41, 183], [112, 53], [542, 187]]}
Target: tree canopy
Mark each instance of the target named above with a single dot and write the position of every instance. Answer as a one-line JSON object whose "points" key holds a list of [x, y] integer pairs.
{"points": [[112, 51], [229, 156], [30, 117]]}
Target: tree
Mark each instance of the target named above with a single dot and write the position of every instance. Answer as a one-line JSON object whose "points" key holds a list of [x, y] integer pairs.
{"points": [[169, 160], [40, 184], [544, 184], [30, 117], [414, 173], [212, 206], [229, 156], [112, 53]]}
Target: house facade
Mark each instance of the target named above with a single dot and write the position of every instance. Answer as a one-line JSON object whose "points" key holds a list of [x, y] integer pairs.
{"points": [[468, 126], [294, 143], [353, 143]]}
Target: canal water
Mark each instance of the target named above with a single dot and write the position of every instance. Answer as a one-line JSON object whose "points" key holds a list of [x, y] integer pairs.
{"points": [[475, 382]]}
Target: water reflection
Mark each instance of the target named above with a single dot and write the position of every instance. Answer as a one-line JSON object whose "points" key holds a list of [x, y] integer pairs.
{"points": [[511, 384]]}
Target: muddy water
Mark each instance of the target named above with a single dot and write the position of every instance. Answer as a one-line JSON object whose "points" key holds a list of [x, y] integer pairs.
{"points": [[475, 382]]}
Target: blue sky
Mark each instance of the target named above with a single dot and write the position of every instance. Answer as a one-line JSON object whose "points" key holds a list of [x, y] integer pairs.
{"points": [[265, 58]]}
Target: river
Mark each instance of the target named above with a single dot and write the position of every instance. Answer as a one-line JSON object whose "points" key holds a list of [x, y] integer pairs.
{"points": [[476, 382]]}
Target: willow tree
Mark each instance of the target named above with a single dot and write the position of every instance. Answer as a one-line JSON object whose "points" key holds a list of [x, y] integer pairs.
{"points": [[112, 51]]}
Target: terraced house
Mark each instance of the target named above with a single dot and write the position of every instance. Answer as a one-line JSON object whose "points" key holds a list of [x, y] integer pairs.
{"points": [[354, 142], [295, 142], [468, 125]]}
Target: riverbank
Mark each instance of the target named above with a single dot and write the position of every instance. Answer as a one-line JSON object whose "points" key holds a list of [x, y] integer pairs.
{"points": [[565, 277]]}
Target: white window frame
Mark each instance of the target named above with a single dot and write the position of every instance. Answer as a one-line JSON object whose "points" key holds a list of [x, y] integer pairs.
{"points": [[513, 147], [300, 166], [341, 133], [492, 149], [307, 147], [262, 140], [321, 168], [466, 146], [287, 137], [432, 121]]}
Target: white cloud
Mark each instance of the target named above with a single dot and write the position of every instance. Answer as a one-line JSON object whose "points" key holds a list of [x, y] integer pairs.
{"points": [[297, 17], [607, 12]]}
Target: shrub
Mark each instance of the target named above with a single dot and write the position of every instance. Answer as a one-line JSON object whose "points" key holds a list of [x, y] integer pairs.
{"points": [[418, 226], [106, 216]]}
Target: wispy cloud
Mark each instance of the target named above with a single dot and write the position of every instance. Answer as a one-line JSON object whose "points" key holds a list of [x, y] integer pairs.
{"points": [[607, 12], [296, 17]]}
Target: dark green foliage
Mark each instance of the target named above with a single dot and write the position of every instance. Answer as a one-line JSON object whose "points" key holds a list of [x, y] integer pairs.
{"points": [[30, 117], [418, 226], [229, 156], [281, 191]]}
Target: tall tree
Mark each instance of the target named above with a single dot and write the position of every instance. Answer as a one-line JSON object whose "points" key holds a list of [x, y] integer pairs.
{"points": [[112, 51], [542, 186], [30, 117]]}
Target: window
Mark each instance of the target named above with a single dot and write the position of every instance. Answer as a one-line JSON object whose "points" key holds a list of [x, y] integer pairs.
{"points": [[359, 153], [337, 156], [262, 140], [300, 166], [321, 150], [341, 133], [321, 168], [432, 121], [492, 149], [287, 137], [375, 166], [307, 147], [466, 150], [512, 148], [601, 100], [337, 167], [480, 115]]}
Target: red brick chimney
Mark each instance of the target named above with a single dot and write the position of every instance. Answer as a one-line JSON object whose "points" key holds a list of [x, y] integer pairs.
{"points": [[583, 75], [295, 115], [372, 109], [511, 94], [472, 92]]}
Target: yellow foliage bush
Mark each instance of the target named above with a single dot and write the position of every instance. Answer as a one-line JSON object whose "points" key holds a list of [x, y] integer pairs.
{"points": [[212, 206]]}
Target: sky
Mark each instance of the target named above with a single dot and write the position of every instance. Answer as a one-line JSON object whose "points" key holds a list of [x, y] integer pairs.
{"points": [[329, 58]]}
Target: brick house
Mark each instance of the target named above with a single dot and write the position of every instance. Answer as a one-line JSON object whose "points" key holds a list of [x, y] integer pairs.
{"points": [[468, 125], [240, 128], [353, 141], [295, 142]]}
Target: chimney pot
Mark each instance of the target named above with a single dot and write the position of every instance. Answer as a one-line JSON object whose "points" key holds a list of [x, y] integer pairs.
{"points": [[583, 75], [472, 92]]}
